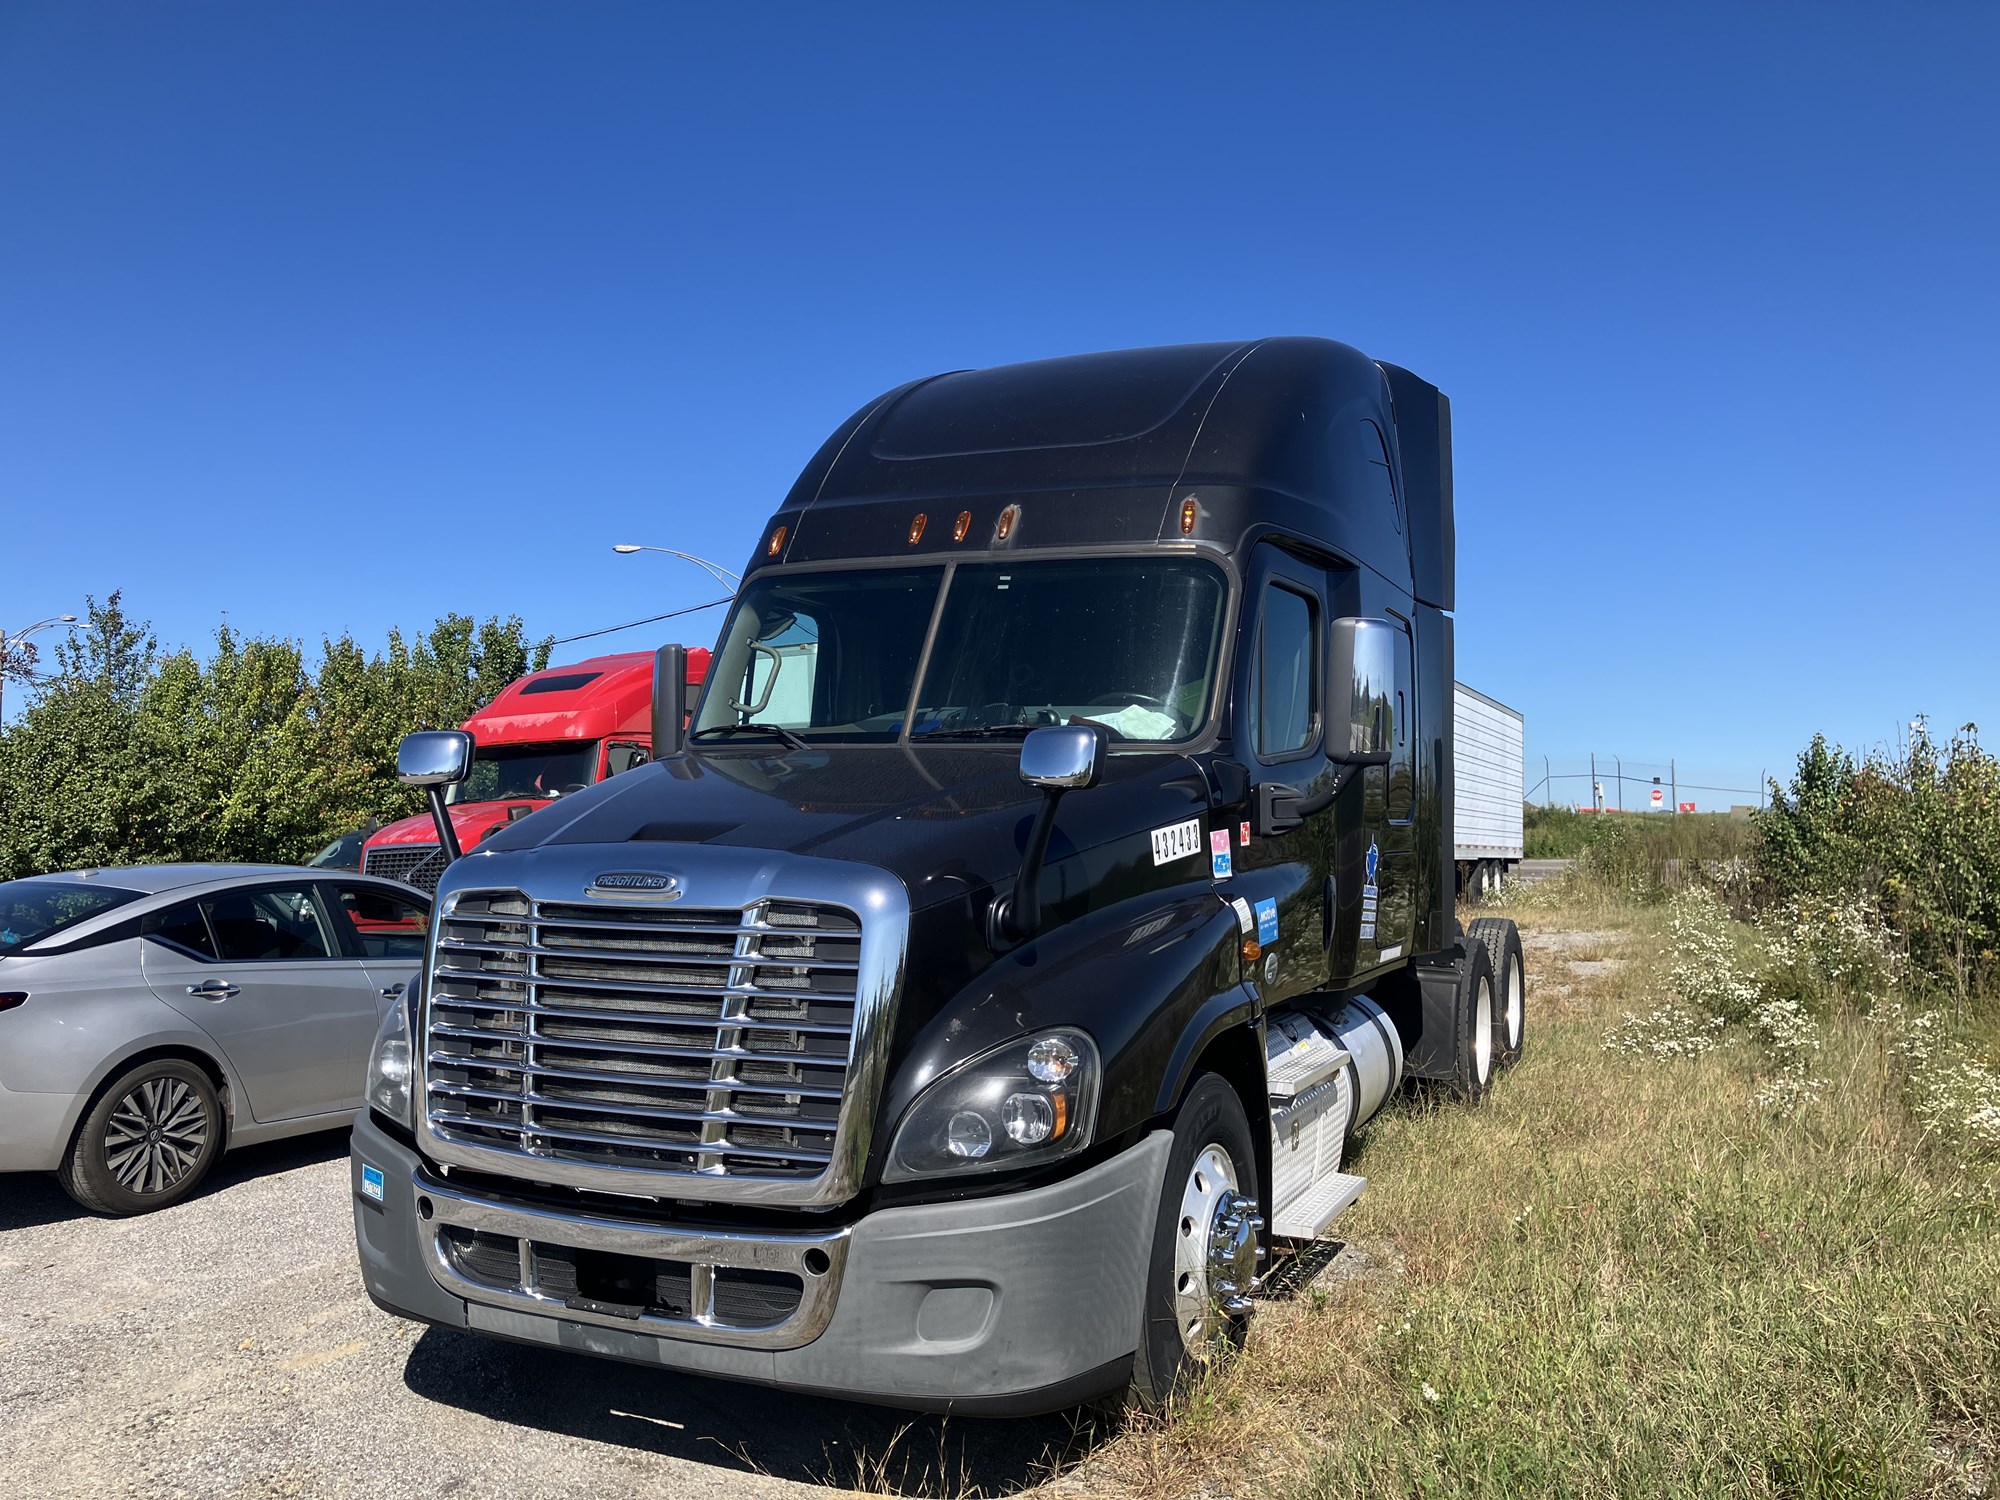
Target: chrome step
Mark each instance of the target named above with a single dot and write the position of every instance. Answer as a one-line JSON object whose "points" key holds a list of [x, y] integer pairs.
{"points": [[1307, 1216]]}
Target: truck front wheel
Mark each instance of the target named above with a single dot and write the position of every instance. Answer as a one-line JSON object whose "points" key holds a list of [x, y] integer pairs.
{"points": [[1206, 1244]]}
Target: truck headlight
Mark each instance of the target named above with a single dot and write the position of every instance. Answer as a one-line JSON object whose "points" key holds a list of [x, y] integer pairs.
{"points": [[390, 1065], [1022, 1104]]}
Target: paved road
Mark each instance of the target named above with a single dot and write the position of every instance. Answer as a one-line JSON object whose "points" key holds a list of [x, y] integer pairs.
{"points": [[225, 1348]]}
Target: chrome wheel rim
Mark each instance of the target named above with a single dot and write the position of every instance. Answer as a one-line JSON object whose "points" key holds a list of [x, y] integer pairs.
{"points": [[1215, 1250], [1482, 1030], [156, 1136], [1516, 983]]}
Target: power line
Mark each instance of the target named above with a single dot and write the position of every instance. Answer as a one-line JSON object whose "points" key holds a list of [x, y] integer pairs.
{"points": [[649, 620]]}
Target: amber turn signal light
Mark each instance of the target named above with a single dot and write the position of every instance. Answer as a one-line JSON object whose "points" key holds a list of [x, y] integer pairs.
{"points": [[1252, 950]]}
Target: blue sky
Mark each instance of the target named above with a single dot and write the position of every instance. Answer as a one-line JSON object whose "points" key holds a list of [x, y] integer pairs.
{"points": [[339, 317]]}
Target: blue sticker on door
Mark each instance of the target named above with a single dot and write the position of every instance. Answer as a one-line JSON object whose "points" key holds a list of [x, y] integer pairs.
{"points": [[1267, 920]]}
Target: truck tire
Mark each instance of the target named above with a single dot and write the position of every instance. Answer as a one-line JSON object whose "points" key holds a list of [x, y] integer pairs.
{"points": [[1205, 1245], [148, 1141], [1502, 940], [1474, 1025]]}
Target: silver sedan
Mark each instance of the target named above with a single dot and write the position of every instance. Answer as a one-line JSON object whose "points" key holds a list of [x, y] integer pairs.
{"points": [[152, 1016]]}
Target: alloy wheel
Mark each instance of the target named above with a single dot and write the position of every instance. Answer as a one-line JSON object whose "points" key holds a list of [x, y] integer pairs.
{"points": [[157, 1134]]}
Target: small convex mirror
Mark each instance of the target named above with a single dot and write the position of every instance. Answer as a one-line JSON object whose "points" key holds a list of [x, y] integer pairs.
{"points": [[1362, 667], [1062, 755], [434, 757]]}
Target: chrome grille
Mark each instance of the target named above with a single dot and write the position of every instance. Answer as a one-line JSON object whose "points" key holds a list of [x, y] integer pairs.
{"points": [[711, 1041], [419, 865]]}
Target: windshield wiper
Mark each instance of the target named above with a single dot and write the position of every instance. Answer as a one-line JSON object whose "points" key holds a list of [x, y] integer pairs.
{"points": [[979, 732], [777, 729]]}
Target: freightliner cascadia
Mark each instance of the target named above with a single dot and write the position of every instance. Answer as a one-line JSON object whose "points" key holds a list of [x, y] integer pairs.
{"points": [[980, 997]]}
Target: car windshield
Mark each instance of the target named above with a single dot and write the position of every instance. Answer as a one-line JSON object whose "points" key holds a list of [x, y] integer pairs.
{"points": [[34, 909], [503, 772], [1129, 643]]}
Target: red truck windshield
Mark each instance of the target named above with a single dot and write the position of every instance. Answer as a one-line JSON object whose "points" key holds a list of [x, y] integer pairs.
{"points": [[501, 773]]}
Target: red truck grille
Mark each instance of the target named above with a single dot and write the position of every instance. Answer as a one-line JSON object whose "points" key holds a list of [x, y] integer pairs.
{"points": [[419, 865], [713, 1041]]}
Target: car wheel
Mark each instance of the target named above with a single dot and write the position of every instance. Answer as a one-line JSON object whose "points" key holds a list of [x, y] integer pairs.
{"points": [[148, 1141], [1205, 1245]]}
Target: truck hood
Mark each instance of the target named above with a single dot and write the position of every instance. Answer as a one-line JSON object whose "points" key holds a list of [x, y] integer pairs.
{"points": [[470, 820], [949, 822]]}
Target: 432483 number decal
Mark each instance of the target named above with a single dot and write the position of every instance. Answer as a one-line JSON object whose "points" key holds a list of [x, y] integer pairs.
{"points": [[1176, 841]]}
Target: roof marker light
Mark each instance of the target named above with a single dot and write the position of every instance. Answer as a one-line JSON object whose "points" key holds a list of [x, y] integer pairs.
{"points": [[1187, 516], [777, 542], [962, 525], [917, 529], [1007, 519]]}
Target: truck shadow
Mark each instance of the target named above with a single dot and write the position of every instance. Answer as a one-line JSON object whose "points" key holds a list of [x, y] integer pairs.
{"points": [[748, 1429], [28, 1199]]}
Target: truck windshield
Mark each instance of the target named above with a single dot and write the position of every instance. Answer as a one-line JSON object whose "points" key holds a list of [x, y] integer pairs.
{"points": [[501, 773], [33, 909], [1128, 643]]}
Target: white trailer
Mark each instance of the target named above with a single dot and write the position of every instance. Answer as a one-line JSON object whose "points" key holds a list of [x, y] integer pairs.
{"points": [[1487, 783]]}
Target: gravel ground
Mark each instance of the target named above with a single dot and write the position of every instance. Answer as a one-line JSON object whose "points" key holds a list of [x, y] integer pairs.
{"points": [[225, 1347]]}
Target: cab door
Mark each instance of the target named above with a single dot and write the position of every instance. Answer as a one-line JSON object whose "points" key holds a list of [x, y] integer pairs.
{"points": [[1282, 869], [1389, 814]]}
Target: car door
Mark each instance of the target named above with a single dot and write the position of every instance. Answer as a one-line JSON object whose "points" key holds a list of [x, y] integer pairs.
{"points": [[263, 970], [1282, 871], [387, 928]]}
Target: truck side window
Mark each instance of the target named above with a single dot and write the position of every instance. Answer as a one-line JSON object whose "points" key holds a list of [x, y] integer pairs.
{"points": [[1284, 676], [623, 755], [1402, 760]]}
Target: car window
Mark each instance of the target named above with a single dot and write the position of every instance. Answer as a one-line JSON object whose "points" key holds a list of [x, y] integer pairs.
{"points": [[31, 910], [184, 926], [388, 925], [276, 923]]}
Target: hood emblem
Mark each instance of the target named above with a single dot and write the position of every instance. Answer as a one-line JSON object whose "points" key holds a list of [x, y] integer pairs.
{"points": [[626, 884]]}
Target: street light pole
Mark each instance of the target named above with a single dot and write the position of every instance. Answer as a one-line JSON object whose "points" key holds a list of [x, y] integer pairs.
{"points": [[720, 574], [10, 643]]}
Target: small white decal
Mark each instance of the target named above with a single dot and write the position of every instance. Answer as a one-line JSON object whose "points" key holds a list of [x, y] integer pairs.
{"points": [[1389, 953], [1176, 841], [1367, 931], [1244, 920]]}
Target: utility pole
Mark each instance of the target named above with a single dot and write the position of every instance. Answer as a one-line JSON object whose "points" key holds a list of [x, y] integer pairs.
{"points": [[1674, 775], [1596, 786], [1548, 782], [1619, 762]]}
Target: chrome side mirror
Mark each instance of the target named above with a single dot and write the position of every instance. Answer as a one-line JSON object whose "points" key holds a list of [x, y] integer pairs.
{"points": [[1063, 756], [1361, 690], [434, 757], [1057, 758]]}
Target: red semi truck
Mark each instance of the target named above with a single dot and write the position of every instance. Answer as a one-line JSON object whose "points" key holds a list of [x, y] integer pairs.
{"points": [[554, 731]]}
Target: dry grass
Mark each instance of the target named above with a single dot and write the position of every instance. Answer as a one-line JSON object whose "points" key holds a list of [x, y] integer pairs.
{"points": [[1619, 1277]]}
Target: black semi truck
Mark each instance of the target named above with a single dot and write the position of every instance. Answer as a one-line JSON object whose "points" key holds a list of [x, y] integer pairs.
{"points": [[987, 982]]}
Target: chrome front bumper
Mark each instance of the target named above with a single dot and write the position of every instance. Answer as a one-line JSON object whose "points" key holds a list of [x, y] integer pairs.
{"points": [[543, 1280]]}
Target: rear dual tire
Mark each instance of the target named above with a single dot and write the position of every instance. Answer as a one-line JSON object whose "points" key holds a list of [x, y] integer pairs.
{"points": [[1502, 941]]}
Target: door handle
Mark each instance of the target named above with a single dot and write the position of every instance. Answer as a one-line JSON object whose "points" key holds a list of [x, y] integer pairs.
{"points": [[214, 989], [390, 991]]}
